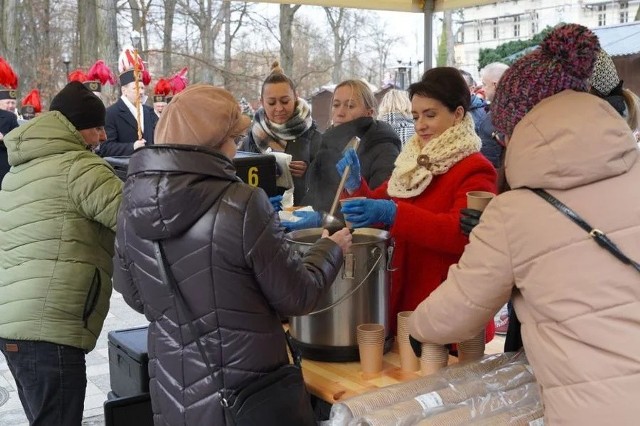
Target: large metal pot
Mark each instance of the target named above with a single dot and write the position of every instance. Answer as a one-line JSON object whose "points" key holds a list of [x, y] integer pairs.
{"points": [[360, 294]]}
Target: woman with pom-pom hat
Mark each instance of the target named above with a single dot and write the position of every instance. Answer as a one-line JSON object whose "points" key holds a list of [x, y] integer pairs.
{"points": [[579, 305]]}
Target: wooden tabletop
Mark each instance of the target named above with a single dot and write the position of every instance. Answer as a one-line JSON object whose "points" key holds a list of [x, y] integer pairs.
{"points": [[336, 381]]}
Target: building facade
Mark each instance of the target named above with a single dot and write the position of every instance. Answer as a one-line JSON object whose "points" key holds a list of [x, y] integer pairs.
{"points": [[486, 27]]}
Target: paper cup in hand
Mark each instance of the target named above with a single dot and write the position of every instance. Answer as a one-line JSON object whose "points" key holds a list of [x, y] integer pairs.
{"points": [[345, 201], [434, 357], [371, 347], [408, 359], [478, 200]]}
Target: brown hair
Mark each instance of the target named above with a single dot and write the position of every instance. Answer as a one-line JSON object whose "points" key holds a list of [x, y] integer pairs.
{"points": [[277, 75]]}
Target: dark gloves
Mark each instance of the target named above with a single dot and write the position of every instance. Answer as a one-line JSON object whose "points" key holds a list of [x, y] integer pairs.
{"points": [[469, 218], [365, 212], [416, 346], [350, 158], [276, 202]]}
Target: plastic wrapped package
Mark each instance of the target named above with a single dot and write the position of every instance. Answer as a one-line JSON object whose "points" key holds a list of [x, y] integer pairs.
{"points": [[528, 415], [346, 411], [411, 411], [486, 406]]}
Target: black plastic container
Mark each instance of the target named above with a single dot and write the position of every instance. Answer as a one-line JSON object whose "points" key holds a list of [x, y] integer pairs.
{"points": [[128, 362]]}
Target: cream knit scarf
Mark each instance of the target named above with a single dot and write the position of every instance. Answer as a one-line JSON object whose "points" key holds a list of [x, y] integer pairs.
{"points": [[415, 166]]}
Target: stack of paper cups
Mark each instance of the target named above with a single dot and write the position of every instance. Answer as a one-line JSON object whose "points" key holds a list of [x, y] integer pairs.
{"points": [[408, 360], [472, 349], [434, 357], [371, 347]]}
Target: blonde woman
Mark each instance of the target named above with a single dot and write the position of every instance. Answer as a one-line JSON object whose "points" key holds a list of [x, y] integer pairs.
{"points": [[395, 109], [353, 108]]}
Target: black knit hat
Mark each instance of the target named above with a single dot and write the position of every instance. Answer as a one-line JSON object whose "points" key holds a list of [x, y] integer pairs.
{"points": [[81, 107]]}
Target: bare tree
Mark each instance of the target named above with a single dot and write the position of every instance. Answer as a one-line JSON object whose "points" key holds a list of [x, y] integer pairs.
{"points": [[345, 25], [169, 13], [287, 13], [87, 40]]}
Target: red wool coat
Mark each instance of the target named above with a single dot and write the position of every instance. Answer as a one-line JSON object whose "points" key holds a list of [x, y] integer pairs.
{"points": [[427, 231]]}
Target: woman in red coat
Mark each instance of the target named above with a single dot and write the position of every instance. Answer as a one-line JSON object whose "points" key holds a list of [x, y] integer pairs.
{"points": [[421, 202]]}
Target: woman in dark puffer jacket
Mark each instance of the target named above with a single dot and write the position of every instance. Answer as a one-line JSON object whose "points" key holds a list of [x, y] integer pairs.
{"points": [[227, 251]]}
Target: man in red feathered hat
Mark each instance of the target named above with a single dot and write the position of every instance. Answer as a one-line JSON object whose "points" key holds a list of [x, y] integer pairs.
{"points": [[161, 90], [8, 86], [99, 74], [30, 105], [129, 124]]}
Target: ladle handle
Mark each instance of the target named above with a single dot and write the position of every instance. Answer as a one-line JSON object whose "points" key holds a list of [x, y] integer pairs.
{"points": [[354, 143], [343, 179]]}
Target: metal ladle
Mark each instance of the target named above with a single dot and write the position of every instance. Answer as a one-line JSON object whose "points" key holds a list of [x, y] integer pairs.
{"points": [[330, 221]]}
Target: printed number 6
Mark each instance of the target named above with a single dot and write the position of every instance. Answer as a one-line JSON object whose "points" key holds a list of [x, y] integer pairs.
{"points": [[252, 176]]}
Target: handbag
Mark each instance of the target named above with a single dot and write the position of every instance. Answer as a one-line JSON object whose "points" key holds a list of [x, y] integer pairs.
{"points": [[598, 236], [276, 398]]}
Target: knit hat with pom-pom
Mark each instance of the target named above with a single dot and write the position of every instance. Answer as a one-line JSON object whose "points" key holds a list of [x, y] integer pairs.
{"points": [[564, 61]]}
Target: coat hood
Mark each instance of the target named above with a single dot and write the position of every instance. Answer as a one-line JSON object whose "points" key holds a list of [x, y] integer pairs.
{"points": [[169, 187], [371, 130], [545, 152], [48, 134]]}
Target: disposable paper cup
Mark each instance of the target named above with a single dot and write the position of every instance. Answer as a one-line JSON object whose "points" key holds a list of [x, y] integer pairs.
{"points": [[434, 357], [478, 200], [472, 349], [371, 347], [346, 200], [408, 359], [403, 326]]}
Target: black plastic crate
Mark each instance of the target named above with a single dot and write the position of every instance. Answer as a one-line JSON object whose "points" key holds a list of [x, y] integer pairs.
{"points": [[120, 164], [128, 411], [128, 361]]}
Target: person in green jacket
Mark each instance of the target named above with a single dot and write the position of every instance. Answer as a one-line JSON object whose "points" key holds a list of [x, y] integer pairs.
{"points": [[58, 207]]}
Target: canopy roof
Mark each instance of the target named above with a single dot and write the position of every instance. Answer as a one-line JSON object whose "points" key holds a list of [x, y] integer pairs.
{"points": [[394, 5]]}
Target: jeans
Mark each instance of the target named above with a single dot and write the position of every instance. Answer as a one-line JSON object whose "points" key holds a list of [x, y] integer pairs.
{"points": [[51, 380]]}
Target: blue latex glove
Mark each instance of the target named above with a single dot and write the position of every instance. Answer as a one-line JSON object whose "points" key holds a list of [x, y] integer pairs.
{"points": [[350, 158], [307, 220], [366, 212], [276, 202]]}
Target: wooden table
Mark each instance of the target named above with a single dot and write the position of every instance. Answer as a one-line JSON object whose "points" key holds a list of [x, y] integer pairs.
{"points": [[335, 381]]}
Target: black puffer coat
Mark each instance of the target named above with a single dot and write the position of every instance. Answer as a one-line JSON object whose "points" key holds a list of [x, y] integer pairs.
{"points": [[379, 147], [227, 251]]}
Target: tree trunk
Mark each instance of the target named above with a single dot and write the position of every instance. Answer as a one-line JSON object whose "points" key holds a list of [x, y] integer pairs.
{"points": [[335, 18], [287, 13], [227, 43], [448, 27], [87, 42], [169, 13], [10, 31]]}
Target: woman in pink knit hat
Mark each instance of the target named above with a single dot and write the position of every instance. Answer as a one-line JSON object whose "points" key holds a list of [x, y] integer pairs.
{"points": [[579, 303]]}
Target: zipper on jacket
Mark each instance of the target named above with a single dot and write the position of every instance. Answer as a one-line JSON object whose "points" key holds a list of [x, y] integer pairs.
{"points": [[92, 298]]}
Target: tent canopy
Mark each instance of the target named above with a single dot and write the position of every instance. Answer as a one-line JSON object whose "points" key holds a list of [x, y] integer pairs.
{"points": [[393, 5]]}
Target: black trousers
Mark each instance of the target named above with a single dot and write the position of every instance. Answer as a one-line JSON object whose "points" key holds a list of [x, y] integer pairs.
{"points": [[513, 340], [51, 380]]}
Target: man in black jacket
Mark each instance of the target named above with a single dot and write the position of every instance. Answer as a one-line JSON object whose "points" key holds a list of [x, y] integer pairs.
{"points": [[8, 122], [491, 141], [121, 122]]}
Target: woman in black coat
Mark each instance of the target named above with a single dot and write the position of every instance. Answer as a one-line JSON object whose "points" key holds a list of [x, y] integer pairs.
{"points": [[225, 247]]}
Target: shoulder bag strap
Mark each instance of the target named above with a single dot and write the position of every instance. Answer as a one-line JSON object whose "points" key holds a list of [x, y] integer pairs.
{"points": [[598, 236], [169, 280]]}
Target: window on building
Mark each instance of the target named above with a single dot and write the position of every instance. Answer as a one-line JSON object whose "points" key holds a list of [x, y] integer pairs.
{"points": [[479, 34], [496, 33], [602, 15], [516, 26], [461, 36], [624, 12]]}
